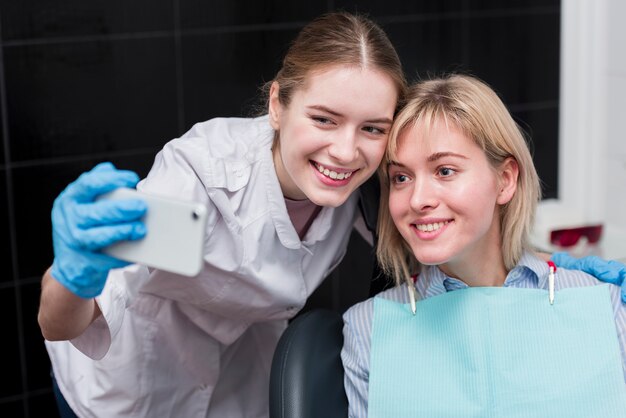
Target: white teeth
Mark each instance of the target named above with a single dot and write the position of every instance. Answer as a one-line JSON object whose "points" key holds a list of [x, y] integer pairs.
{"points": [[333, 174], [431, 227]]}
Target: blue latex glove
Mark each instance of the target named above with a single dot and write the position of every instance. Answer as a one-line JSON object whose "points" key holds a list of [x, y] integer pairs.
{"points": [[608, 271], [81, 227]]}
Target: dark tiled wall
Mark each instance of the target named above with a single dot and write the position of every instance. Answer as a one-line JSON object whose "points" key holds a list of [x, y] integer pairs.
{"points": [[87, 81]]}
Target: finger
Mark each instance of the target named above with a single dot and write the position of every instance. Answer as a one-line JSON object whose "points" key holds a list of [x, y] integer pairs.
{"points": [[86, 267], [94, 239], [109, 212], [98, 181], [107, 262], [615, 272], [607, 271], [564, 260], [589, 264], [105, 166]]}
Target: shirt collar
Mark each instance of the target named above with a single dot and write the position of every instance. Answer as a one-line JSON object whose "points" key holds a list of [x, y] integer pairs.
{"points": [[432, 281], [537, 267]]}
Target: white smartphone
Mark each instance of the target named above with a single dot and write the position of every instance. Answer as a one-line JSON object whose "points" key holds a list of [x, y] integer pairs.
{"points": [[175, 238]]}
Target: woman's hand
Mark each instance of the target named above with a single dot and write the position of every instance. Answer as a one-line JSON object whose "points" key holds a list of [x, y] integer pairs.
{"points": [[608, 271], [81, 227]]}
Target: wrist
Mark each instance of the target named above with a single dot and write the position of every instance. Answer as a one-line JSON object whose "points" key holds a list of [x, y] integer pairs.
{"points": [[77, 281]]}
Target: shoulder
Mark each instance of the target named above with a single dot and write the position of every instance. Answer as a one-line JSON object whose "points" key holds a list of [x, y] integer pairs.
{"points": [[575, 278], [228, 138], [564, 277], [214, 154], [358, 312], [363, 311]]}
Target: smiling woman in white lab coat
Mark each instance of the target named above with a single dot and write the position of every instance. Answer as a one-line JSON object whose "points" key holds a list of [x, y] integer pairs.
{"points": [[280, 193]]}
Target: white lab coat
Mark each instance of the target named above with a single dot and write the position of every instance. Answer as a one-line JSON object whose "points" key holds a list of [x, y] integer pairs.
{"points": [[174, 346]]}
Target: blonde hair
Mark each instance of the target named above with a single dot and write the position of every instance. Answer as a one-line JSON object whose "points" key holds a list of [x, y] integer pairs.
{"points": [[337, 38], [474, 108]]}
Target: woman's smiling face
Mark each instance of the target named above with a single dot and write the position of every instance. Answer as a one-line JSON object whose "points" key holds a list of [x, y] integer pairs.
{"points": [[333, 132], [444, 197]]}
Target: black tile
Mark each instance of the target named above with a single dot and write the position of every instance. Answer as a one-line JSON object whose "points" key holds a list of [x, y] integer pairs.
{"points": [[427, 48], [377, 8], [90, 97], [222, 73], [13, 408], [27, 19], [11, 382], [5, 240], [37, 361], [518, 56], [2, 154], [43, 405], [542, 127], [475, 5], [33, 225], [197, 14], [140, 163]]}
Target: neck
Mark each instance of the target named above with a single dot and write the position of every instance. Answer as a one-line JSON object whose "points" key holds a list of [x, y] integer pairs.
{"points": [[492, 273], [287, 185]]}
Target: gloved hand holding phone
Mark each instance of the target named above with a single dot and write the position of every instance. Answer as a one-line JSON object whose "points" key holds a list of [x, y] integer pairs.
{"points": [[81, 227]]}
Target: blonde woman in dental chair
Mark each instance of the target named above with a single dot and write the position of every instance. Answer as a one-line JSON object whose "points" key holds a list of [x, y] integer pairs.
{"points": [[478, 325]]}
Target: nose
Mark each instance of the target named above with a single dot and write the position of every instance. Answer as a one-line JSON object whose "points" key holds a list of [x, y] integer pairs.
{"points": [[424, 195], [344, 147]]}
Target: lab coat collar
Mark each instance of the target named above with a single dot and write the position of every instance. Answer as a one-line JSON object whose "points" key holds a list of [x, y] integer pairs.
{"points": [[278, 210]]}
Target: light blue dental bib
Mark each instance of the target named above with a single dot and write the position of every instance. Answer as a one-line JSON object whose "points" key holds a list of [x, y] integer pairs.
{"points": [[497, 352]]}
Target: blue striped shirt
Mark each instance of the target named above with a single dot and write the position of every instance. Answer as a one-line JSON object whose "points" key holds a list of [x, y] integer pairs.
{"points": [[531, 272]]}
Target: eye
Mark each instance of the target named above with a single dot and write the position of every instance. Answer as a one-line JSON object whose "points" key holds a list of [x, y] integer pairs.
{"points": [[446, 171], [321, 120], [374, 130], [399, 179]]}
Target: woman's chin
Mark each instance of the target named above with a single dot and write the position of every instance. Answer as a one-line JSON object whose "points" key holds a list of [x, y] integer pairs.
{"points": [[430, 258]]}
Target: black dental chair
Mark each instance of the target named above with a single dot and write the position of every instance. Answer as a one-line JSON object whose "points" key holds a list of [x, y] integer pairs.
{"points": [[307, 374]]}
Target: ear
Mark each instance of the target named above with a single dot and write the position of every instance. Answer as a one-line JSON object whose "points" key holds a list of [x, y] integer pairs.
{"points": [[275, 107], [509, 172]]}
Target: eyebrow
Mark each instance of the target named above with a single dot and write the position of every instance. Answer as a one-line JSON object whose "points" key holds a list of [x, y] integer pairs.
{"points": [[431, 158], [335, 113], [439, 155]]}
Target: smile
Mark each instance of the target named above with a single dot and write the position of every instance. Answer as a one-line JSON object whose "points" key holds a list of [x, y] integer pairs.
{"points": [[431, 227], [333, 174]]}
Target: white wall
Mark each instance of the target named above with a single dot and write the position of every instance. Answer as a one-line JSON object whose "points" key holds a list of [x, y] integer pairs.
{"points": [[592, 139], [616, 111]]}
